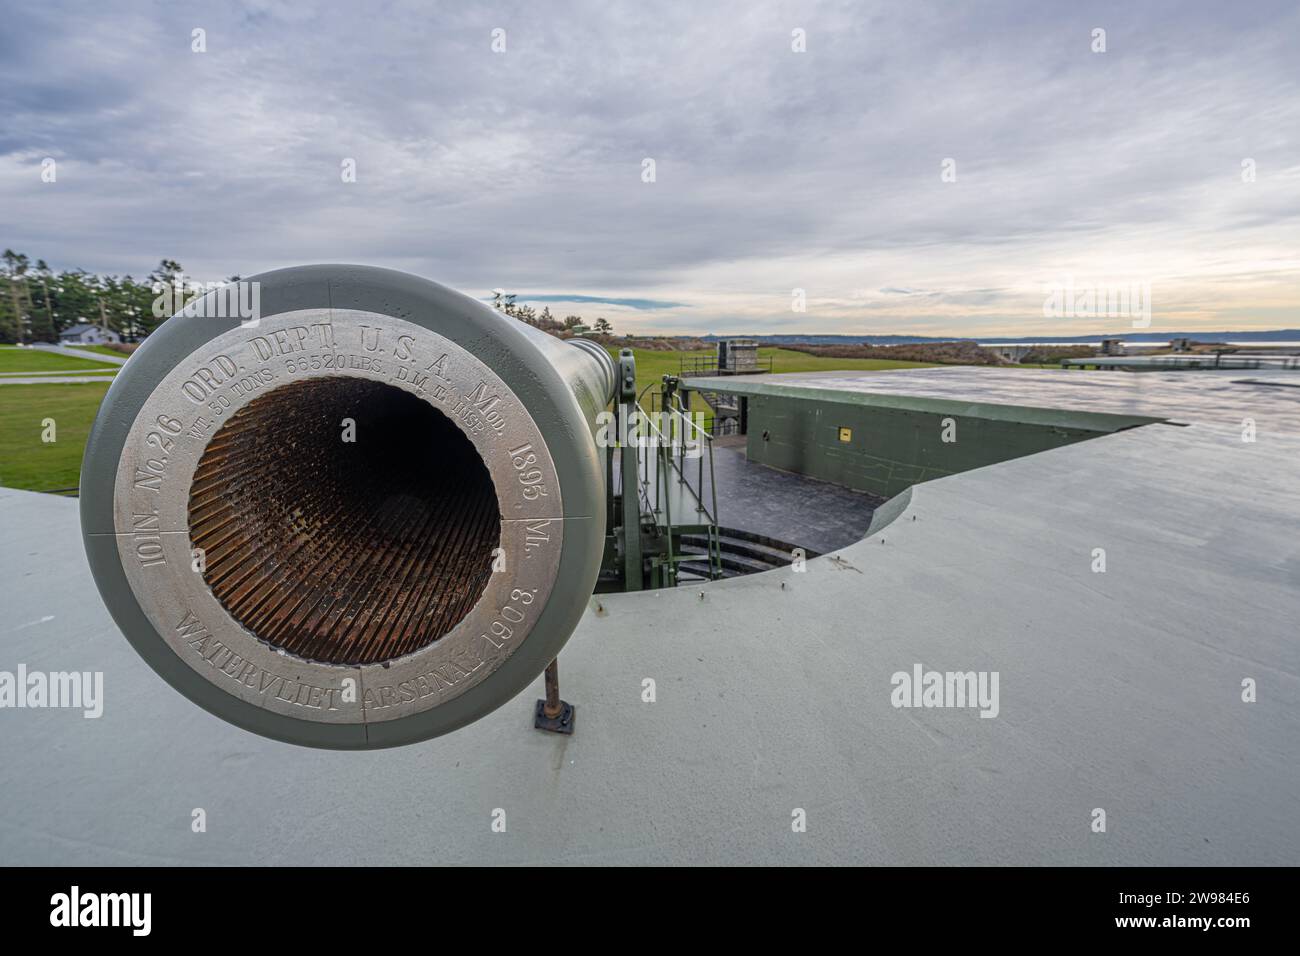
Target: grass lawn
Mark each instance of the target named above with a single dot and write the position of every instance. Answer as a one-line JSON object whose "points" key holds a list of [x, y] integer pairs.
{"points": [[25, 460], [652, 366], [14, 359]]}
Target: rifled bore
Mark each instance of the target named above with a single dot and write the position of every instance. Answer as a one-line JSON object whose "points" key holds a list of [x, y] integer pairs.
{"points": [[344, 544]]}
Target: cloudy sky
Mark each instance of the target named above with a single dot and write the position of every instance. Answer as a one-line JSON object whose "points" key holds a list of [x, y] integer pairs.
{"points": [[1170, 159]]}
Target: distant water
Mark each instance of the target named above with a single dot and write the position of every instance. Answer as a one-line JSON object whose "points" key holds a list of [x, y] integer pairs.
{"points": [[1141, 344]]}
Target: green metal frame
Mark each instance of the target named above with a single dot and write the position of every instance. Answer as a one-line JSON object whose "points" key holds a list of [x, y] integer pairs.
{"points": [[670, 478], [656, 492]]}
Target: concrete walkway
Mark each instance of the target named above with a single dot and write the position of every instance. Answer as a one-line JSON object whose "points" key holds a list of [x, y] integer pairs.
{"points": [[81, 353], [58, 379]]}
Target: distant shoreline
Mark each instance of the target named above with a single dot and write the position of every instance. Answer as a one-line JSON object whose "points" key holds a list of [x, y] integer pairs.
{"points": [[1278, 337], [989, 343]]}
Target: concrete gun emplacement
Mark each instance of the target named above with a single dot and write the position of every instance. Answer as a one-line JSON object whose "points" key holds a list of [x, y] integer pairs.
{"points": [[367, 517]]}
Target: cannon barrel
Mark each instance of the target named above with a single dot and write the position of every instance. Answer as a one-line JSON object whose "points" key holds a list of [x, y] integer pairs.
{"points": [[366, 513]]}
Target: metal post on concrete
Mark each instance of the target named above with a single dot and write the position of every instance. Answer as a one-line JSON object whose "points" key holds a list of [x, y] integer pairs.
{"points": [[552, 713]]}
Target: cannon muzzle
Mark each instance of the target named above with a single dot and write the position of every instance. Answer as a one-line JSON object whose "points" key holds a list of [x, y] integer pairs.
{"points": [[367, 515]]}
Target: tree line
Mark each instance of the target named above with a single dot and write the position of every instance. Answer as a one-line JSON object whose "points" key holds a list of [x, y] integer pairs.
{"points": [[37, 303], [504, 301]]}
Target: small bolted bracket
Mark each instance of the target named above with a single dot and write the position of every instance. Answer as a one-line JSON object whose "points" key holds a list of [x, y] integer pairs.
{"points": [[562, 723], [553, 714]]}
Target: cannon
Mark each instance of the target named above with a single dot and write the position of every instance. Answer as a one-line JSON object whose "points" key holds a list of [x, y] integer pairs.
{"points": [[365, 517]]}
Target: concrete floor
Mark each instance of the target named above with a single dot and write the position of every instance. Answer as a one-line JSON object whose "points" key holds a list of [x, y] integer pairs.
{"points": [[1213, 397], [1119, 690], [801, 511]]}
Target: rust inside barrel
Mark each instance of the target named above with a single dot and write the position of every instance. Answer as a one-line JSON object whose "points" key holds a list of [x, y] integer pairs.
{"points": [[344, 520]]}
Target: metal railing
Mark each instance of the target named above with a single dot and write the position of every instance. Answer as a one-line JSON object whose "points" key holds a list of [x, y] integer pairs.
{"points": [[708, 365], [675, 437]]}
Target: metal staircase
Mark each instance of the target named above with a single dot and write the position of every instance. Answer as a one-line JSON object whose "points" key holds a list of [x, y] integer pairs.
{"points": [[739, 552], [673, 451], [659, 470], [663, 509]]}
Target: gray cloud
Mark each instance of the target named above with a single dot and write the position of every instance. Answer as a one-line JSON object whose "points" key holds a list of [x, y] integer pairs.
{"points": [[774, 170]]}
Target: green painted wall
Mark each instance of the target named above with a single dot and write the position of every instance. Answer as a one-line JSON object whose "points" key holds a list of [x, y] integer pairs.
{"points": [[891, 448]]}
